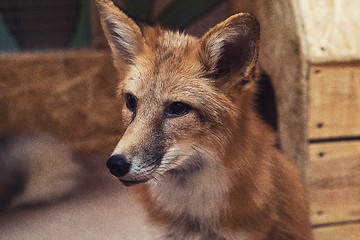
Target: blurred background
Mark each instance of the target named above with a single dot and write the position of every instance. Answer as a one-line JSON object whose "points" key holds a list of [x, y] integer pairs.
{"points": [[56, 77]]}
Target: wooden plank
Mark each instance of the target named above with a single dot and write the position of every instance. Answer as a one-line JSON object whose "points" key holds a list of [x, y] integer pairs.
{"points": [[331, 29], [71, 94], [334, 101], [334, 181], [344, 232]]}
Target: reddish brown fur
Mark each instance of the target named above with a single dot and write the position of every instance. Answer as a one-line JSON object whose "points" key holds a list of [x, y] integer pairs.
{"points": [[265, 195]]}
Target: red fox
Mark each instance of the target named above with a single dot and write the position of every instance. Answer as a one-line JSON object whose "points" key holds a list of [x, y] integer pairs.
{"points": [[203, 162]]}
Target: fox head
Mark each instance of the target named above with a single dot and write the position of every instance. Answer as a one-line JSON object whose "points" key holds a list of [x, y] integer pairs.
{"points": [[183, 98]]}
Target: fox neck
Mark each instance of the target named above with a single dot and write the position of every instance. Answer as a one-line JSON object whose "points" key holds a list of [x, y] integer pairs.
{"points": [[192, 200]]}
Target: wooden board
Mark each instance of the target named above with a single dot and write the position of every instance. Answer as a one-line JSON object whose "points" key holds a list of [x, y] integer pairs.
{"points": [[331, 29], [334, 101], [71, 94], [334, 181], [344, 232]]}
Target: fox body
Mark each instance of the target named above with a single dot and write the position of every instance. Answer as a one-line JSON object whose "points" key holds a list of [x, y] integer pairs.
{"points": [[203, 162]]}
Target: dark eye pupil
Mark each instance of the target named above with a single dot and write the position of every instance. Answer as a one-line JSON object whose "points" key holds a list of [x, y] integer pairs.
{"points": [[131, 102], [177, 109]]}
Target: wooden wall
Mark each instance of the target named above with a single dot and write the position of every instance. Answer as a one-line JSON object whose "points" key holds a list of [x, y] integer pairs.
{"points": [[334, 137], [335, 101]]}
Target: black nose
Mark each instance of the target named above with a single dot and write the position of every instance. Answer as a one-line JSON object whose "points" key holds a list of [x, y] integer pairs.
{"points": [[118, 165]]}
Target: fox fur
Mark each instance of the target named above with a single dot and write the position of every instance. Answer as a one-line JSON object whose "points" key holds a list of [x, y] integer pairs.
{"points": [[203, 162]]}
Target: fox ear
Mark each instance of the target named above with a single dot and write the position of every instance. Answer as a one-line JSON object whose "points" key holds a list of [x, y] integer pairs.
{"points": [[231, 46], [123, 34]]}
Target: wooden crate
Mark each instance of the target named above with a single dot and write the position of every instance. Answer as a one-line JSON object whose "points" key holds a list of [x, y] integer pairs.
{"points": [[334, 101], [347, 231], [334, 180], [314, 65], [334, 150], [71, 94]]}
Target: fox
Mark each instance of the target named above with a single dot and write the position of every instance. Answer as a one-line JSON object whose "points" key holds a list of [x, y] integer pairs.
{"points": [[194, 150]]}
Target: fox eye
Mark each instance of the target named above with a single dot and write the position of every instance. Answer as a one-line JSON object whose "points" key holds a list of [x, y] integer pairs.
{"points": [[131, 102], [177, 109]]}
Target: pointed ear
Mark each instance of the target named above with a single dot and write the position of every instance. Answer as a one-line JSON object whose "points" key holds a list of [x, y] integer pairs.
{"points": [[123, 34], [231, 46]]}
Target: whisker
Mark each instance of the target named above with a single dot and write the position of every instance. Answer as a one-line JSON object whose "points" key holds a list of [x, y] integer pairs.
{"points": [[139, 71], [207, 152], [197, 152], [179, 155]]}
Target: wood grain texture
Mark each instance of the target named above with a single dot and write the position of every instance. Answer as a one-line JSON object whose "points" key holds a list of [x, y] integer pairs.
{"points": [[331, 29], [334, 101], [71, 94], [344, 232], [334, 181]]}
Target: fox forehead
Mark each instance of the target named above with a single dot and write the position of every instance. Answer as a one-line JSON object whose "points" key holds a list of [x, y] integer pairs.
{"points": [[168, 67]]}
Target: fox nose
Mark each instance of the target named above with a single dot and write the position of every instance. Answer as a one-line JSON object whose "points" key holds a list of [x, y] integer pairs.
{"points": [[118, 165]]}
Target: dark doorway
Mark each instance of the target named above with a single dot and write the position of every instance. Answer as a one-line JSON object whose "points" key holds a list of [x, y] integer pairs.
{"points": [[265, 101]]}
